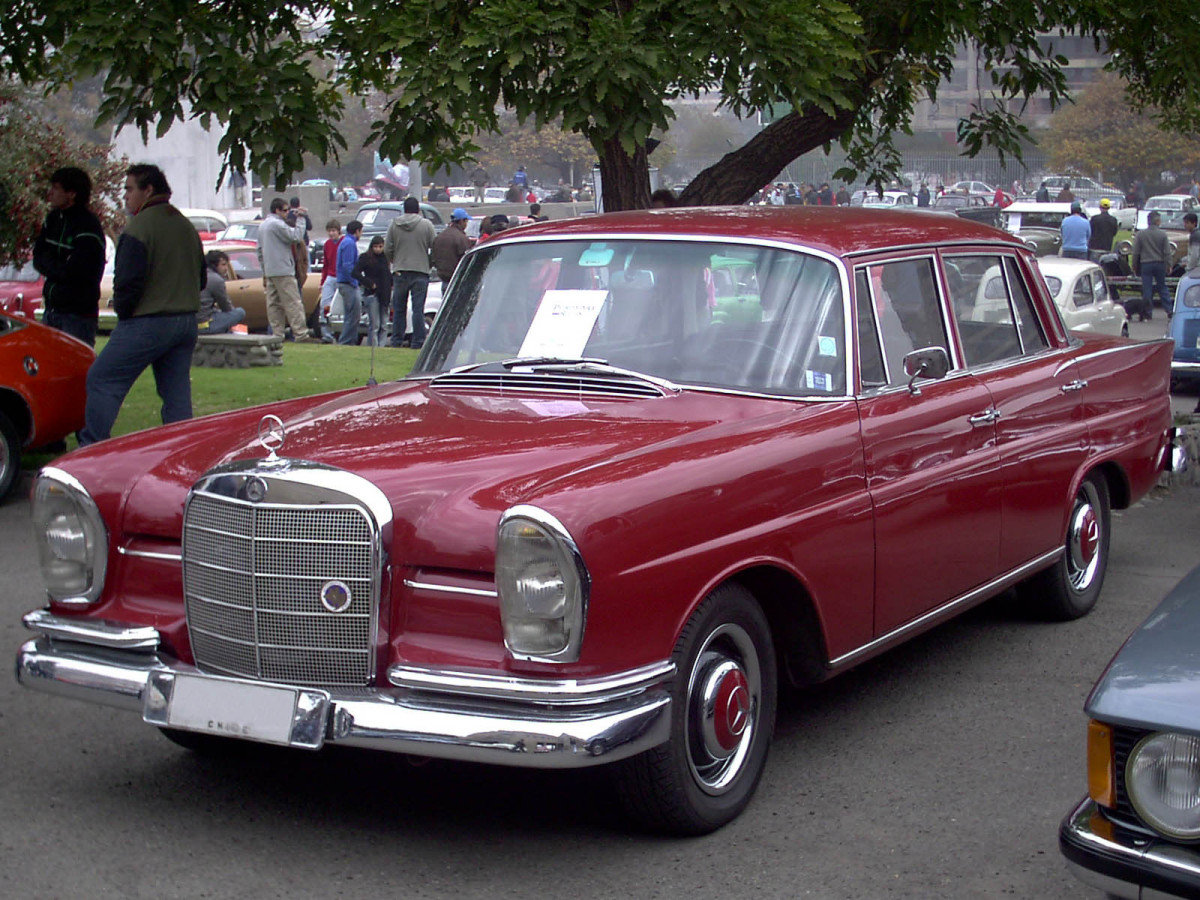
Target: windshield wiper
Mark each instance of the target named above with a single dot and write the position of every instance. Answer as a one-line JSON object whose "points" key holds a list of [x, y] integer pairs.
{"points": [[544, 361], [600, 367]]}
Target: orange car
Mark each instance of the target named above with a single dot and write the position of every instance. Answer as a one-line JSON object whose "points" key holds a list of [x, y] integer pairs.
{"points": [[42, 390], [246, 290]]}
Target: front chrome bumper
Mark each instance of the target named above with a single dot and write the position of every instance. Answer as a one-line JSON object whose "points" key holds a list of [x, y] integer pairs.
{"points": [[1138, 867], [534, 723]]}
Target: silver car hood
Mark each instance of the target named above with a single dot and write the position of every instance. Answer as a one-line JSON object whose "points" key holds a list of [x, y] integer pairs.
{"points": [[1154, 680]]}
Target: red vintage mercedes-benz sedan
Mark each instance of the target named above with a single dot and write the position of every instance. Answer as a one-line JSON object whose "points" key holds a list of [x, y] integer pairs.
{"points": [[648, 466]]}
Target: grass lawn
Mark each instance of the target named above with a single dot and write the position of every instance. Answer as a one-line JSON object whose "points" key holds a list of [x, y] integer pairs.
{"points": [[307, 369]]}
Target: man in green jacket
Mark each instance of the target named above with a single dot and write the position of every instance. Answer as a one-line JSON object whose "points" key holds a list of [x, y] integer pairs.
{"points": [[157, 279]]}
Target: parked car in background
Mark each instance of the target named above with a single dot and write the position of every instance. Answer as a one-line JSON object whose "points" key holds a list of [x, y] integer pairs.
{"points": [[980, 188], [42, 390], [336, 314], [375, 217], [1081, 186], [599, 523], [1136, 833], [245, 290], [242, 232], [21, 290], [889, 200], [208, 222], [1171, 209], [1184, 331], [975, 207], [1081, 293]]}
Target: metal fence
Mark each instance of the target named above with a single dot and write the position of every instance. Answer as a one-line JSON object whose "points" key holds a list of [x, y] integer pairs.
{"points": [[946, 169]]}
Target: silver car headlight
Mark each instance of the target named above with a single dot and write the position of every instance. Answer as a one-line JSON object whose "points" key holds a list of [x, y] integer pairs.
{"points": [[543, 586], [72, 541], [1162, 777]]}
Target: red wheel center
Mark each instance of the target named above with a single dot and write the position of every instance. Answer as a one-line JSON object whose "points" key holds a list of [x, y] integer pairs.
{"points": [[1089, 536], [731, 713]]}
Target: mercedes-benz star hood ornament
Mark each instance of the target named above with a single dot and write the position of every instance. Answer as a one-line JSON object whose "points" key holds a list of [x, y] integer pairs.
{"points": [[271, 435]]}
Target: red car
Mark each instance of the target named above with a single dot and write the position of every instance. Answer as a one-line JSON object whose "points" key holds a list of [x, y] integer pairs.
{"points": [[612, 509], [42, 390], [21, 290]]}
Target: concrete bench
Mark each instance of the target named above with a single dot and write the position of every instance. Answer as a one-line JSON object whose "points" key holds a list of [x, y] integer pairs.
{"points": [[238, 351]]}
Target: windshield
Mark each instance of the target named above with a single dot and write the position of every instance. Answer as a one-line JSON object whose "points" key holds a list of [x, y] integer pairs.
{"points": [[1164, 203], [240, 231], [724, 315]]}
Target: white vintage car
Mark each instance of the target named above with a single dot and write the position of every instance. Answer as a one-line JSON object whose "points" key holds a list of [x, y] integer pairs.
{"points": [[1082, 295]]}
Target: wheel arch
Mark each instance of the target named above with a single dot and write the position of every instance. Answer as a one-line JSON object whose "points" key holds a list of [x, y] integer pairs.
{"points": [[16, 408], [795, 625], [1119, 494]]}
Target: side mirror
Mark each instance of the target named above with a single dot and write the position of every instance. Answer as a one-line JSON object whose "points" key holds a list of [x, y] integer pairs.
{"points": [[928, 362]]}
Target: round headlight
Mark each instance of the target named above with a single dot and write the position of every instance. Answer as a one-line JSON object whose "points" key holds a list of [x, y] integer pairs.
{"points": [[72, 541], [1163, 781], [543, 586]]}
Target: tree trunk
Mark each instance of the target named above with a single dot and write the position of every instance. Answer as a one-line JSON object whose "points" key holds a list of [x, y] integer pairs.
{"points": [[737, 176], [625, 178]]}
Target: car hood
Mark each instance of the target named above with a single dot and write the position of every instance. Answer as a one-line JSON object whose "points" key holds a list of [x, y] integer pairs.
{"points": [[449, 462], [1154, 680]]}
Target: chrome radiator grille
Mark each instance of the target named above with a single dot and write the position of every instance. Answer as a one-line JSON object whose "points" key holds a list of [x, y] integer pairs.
{"points": [[262, 582]]}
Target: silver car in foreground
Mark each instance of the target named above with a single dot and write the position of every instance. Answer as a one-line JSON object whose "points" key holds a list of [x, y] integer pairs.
{"points": [[1136, 832]]}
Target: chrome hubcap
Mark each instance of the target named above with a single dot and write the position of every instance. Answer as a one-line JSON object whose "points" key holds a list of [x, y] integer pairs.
{"points": [[724, 692], [1083, 540]]}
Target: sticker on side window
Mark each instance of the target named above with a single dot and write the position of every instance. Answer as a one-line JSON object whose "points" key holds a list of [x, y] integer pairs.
{"points": [[563, 323], [817, 381], [827, 346]]}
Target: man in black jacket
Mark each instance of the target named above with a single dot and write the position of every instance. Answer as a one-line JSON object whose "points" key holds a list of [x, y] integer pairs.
{"points": [[1104, 228], [69, 251]]}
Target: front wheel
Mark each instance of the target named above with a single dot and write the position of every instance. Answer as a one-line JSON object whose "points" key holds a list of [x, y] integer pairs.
{"points": [[1070, 588], [722, 718], [10, 456]]}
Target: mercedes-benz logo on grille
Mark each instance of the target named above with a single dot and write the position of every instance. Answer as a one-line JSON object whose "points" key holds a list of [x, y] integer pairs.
{"points": [[256, 490], [271, 434], [335, 596]]}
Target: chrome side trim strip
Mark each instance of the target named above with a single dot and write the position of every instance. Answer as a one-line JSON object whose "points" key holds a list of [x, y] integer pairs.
{"points": [[947, 610], [99, 632], [151, 554], [448, 589], [564, 691]]}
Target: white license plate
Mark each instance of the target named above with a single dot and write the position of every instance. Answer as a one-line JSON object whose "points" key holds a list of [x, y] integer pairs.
{"points": [[253, 712]]}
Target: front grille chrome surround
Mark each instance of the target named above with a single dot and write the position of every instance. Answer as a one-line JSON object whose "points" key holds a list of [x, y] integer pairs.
{"points": [[266, 579]]}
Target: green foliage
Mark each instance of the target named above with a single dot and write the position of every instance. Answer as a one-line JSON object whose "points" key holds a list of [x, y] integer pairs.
{"points": [[31, 148], [1103, 132], [279, 73]]}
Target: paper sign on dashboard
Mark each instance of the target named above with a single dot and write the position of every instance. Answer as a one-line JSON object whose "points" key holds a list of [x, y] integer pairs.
{"points": [[563, 323]]}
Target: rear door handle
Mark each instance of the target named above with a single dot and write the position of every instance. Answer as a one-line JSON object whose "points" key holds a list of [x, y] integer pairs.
{"points": [[985, 418]]}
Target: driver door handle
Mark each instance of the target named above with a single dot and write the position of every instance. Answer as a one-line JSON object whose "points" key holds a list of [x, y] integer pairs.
{"points": [[985, 418], [1076, 385]]}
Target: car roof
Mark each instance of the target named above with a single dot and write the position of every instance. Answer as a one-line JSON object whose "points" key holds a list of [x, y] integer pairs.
{"points": [[1033, 206], [1062, 266], [838, 230]]}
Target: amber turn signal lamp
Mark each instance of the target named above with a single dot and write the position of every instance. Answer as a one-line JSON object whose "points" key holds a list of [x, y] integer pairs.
{"points": [[1101, 764]]}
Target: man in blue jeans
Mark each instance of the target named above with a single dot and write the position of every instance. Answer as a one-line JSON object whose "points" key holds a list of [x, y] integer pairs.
{"points": [[1150, 259], [158, 276], [407, 247], [347, 284]]}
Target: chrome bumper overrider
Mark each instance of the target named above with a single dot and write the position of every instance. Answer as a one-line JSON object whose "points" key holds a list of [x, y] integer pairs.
{"points": [[1112, 859], [452, 715]]}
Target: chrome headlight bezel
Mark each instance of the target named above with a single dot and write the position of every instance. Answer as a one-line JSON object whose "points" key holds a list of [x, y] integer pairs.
{"points": [[60, 501], [1162, 762], [527, 535]]}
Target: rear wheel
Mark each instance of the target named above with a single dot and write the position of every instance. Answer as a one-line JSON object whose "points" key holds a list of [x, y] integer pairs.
{"points": [[1070, 588], [723, 715]]}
